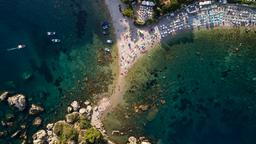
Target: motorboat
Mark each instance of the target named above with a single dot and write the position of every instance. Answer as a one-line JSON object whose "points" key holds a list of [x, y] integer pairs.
{"points": [[51, 33], [56, 40], [20, 46], [109, 41], [106, 49]]}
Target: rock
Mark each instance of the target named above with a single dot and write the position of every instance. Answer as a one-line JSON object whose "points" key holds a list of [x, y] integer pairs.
{"points": [[71, 142], [35, 109], [75, 105], [132, 140], [69, 109], [49, 126], [18, 101], [72, 117], [89, 109], [3, 96], [144, 107], [3, 133], [115, 132], [39, 137], [82, 111], [49, 133], [37, 121], [86, 102], [145, 142], [23, 126]]}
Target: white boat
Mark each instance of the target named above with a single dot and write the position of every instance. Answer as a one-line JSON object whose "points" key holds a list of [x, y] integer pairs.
{"points": [[106, 49], [56, 40], [20, 46], [51, 33], [109, 41]]}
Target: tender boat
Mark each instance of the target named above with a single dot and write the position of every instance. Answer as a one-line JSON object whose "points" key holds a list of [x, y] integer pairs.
{"points": [[51, 33], [56, 40]]}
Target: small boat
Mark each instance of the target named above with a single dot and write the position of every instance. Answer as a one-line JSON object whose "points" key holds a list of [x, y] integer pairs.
{"points": [[106, 49], [109, 41], [56, 40], [51, 33], [20, 46]]}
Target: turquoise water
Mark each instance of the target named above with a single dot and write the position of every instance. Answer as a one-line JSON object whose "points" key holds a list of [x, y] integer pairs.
{"points": [[199, 88], [59, 73]]}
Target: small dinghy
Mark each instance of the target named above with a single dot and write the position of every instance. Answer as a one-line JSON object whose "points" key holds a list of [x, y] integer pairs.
{"points": [[51, 33], [56, 40]]}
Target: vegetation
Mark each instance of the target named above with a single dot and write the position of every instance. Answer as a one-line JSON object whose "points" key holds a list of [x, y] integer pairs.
{"points": [[128, 12], [248, 2], [84, 123], [65, 132], [92, 136]]}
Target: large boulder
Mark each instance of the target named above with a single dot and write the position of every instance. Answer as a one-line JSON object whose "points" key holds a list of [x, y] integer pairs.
{"points": [[19, 101], [132, 140], [39, 137], [75, 105], [3, 96], [35, 109]]}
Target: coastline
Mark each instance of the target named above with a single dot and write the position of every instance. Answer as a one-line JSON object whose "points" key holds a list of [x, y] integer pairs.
{"points": [[124, 31]]}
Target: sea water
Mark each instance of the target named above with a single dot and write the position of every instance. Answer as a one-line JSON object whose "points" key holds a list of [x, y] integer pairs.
{"points": [[49, 74], [198, 88]]}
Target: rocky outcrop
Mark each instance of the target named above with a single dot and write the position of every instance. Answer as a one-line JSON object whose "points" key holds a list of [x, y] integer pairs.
{"points": [[75, 105], [3, 96], [72, 117], [132, 140], [39, 137], [35, 109], [17, 101]]}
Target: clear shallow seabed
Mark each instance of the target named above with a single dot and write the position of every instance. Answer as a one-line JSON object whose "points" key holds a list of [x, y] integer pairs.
{"points": [[199, 88], [51, 75]]}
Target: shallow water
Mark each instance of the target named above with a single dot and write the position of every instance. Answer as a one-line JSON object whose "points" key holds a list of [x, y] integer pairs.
{"points": [[199, 89], [49, 74]]}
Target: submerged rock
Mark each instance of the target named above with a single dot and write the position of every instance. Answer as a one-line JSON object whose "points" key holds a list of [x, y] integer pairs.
{"points": [[75, 105], [18, 101], [3, 96], [35, 109], [37, 121]]}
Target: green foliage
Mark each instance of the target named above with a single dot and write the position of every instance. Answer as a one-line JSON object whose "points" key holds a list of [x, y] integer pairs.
{"points": [[84, 123], [125, 1], [128, 12], [65, 132], [92, 136]]}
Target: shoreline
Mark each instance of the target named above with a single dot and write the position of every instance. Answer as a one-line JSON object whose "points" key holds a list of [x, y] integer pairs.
{"points": [[130, 48]]}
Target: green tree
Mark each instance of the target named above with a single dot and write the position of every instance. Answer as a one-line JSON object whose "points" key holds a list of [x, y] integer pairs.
{"points": [[128, 12]]}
